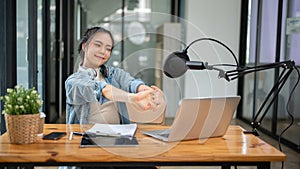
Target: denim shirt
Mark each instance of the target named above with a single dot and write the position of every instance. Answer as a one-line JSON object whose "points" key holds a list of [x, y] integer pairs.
{"points": [[82, 89]]}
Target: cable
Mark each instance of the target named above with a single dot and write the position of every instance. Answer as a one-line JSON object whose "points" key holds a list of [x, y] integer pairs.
{"points": [[229, 65], [289, 113], [211, 39], [287, 109]]}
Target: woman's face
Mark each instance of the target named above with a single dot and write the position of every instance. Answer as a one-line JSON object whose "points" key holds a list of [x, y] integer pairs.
{"points": [[98, 51]]}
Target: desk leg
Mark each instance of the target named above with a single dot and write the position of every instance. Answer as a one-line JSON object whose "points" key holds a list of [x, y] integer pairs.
{"points": [[261, 165], [16, 167], [264, 165], [225, 166]]}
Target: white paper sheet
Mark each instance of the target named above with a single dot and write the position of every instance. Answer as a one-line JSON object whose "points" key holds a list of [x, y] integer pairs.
{"points": [[127, 130]]}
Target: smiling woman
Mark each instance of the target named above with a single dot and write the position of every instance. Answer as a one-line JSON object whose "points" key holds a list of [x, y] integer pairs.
{"points": [[96, 92]]}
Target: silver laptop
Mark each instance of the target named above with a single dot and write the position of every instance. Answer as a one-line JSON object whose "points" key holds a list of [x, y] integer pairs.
{"points": [[199, 118]]}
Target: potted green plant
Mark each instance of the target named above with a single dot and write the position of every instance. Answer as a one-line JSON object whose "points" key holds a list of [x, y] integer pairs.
{"points": [[22, 116]]}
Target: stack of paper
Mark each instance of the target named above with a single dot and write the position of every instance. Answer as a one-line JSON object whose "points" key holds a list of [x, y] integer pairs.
{"points": [[127, 130]]}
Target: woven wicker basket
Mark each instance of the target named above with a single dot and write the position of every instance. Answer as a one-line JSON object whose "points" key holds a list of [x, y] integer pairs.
{"points": [[22, 129]]}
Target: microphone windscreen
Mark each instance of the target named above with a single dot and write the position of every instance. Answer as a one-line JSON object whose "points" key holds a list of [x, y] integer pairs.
{"points": [[175, 64]]}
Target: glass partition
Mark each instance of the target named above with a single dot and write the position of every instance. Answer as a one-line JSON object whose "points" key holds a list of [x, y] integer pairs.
{"points": [[135, 35], [22, 42], [262, 48], [40, 58], [290, 50]]}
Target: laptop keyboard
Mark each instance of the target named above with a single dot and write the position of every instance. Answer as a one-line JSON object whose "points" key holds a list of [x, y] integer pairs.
{"points": [[164, 133]]}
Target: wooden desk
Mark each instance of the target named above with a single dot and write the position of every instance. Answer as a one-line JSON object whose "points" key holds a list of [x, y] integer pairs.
{"points": [[235, 148]]}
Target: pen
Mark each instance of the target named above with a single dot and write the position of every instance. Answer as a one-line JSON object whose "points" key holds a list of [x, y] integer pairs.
{"points": [[71, 135]]}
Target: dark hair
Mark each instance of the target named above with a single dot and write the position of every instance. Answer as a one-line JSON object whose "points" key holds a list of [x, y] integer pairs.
{"points": [[86, 38]]}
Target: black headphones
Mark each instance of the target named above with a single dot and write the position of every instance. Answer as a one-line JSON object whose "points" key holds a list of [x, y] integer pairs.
{"points": [[92, 73]]}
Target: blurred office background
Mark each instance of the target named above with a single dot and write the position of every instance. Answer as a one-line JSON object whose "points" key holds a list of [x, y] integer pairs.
{"points": [[39, 41]]}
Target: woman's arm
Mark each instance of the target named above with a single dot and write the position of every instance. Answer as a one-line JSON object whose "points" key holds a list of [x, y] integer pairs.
{"points": [[142, 99]]}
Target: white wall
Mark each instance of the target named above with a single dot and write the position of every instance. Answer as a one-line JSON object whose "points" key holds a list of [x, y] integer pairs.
{"points": [[219, 20]]}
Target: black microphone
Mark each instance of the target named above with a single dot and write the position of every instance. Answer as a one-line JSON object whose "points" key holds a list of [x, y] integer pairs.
{"points": [[177, 64]]}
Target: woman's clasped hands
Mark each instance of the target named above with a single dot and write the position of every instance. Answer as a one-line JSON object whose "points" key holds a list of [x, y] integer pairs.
{"points": [[148, 98]]}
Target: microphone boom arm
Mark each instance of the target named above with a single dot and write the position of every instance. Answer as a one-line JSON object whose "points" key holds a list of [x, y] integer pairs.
{"points": [[287, 66]]}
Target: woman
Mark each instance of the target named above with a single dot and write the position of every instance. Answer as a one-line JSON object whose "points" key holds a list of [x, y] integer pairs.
{"points": [[97, 93]]}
